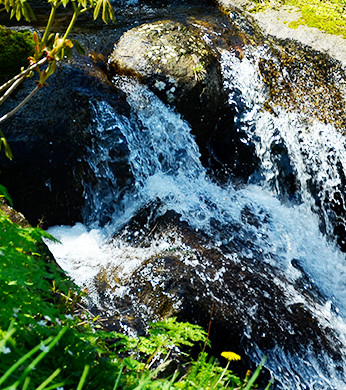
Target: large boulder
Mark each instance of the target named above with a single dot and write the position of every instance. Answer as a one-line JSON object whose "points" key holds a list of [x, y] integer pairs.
{"points": [[51, 138], [178, 66]]}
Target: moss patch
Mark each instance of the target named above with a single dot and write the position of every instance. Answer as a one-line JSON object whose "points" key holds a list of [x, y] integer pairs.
{"points": [[328, 15], [15, 48]]}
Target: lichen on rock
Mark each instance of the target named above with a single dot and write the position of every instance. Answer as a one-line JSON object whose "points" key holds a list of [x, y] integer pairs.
{"points": [[175, 63]]}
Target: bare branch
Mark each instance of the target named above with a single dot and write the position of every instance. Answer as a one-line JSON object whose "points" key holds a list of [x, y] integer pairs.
{"points": [[20, 105], [22, 74], [11, 89]]}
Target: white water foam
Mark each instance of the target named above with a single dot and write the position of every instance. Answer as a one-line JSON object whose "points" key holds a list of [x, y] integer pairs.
{"points": [[164, 160], [165, 163], [316, 151]]}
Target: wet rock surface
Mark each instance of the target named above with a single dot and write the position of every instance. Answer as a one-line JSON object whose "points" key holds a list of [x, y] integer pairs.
{"points": [[247, 302], [49, 139], [177, 65]]}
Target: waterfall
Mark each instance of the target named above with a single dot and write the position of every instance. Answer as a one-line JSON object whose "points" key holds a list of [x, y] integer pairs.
{"points": [[316, 151], [163, 168]]}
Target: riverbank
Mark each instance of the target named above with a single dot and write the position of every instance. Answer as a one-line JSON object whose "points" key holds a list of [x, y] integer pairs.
{"points": [[277, 22]]}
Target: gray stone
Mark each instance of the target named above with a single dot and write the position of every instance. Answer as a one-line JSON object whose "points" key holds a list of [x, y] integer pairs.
{"points": [[177, 65]]}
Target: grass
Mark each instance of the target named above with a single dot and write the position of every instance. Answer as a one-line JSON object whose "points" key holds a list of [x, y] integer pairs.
{"points": [[49, 341], [327, 15]]}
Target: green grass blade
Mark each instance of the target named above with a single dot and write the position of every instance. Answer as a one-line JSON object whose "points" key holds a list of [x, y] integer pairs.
{"points": [[41, 355], [55, 386], [83, 377], [118, 377], [269, 384], [26, 383], [4, 192], [49, 379], [256, 373], [22, 360], [8, 334]]}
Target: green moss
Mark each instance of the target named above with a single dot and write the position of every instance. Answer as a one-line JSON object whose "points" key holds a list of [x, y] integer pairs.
{"points": [[15, 48], [328, 15]]}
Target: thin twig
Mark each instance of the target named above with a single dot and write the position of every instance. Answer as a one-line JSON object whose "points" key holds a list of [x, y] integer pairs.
{"points": [[209, 326], [22, 74], [11, 89], [150, 233], [77, 303], [20, 105]]}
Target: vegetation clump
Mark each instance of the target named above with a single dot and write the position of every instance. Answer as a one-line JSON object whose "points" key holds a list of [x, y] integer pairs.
{"points": [[15, 48]]}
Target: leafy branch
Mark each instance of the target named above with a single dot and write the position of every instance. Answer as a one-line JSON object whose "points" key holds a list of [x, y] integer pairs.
{"points": [[49, 49]]}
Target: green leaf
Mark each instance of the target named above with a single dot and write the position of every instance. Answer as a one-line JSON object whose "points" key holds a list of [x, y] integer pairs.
{"points": [[19, 8], [107, 10], [80, 49], [7, 148], [6, 195], [97, 9]]}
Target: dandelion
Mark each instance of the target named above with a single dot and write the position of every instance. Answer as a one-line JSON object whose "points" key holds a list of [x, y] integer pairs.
{"points": [[230, 355], [6, 350]]}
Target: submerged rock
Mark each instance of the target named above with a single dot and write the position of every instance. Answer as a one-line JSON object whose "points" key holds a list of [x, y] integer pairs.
{"points": [[177, 65]]}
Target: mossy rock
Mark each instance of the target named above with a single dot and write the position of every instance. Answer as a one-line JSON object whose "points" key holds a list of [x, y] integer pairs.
{"points": [[15, 48], [173, 60], [178, 67]]}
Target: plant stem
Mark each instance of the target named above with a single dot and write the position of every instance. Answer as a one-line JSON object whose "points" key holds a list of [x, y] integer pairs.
{"points": [[20, 105], [83, 377], [73, 21], [22, 360], [44, 384], [34, 363], [49, 25], [222, 375]]}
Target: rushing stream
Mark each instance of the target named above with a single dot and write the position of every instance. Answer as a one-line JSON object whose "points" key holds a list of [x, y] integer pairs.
{"points": [[293, 232]]}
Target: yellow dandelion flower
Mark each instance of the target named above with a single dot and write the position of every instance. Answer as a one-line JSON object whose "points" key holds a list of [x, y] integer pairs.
{"points": [[230, 355]]}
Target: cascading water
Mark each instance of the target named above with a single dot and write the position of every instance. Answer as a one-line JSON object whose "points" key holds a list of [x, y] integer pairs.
{"points": [[163, 168], [316, 151]]}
